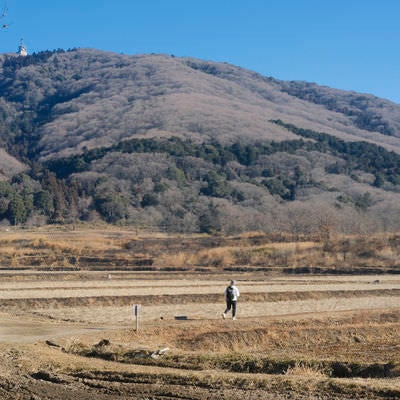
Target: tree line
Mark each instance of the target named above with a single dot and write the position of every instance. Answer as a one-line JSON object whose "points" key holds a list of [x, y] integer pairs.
{"points": [[55, 190]]}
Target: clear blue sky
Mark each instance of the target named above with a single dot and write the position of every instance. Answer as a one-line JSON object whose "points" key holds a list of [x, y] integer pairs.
{"points": [[346, 44]]}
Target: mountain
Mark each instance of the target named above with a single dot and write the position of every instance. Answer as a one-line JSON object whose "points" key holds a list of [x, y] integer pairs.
{"points": [[191, 145]]}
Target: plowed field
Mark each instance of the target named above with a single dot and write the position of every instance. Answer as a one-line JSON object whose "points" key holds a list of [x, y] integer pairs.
{"points": [[73, 336]]}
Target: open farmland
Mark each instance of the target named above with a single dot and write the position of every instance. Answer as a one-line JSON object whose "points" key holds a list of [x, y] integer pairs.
{"points": [[69, 333]]}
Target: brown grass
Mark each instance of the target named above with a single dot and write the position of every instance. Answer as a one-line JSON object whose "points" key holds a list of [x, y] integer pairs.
{"points": [[308, 371], [118, 249]]}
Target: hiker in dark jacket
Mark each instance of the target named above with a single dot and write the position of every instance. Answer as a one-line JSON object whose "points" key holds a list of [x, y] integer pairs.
{"points": [[231, 295]]}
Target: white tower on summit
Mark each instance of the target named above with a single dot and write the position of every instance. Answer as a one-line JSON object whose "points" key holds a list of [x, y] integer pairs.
{"points": [[22, 50]]}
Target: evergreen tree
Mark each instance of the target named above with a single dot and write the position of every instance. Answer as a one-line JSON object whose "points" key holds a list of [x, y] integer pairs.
{"points": [[17, 212]]}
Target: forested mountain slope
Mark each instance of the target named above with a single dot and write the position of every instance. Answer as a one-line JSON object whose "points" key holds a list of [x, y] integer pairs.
{"points": [[191, 145]]}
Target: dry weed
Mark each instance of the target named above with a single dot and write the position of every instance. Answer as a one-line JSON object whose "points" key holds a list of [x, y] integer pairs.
{"points": [[74, 346], [307, 370], [179, 259], [389, 254], [217, 257], [249, 249], [253, 234]]}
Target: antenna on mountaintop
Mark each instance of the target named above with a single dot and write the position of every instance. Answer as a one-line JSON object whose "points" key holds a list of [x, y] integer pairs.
{"points": [[22, 50]]}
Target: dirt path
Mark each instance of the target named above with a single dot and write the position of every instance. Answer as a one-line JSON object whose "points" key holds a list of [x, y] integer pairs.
{"points": [[123, 315], [22, 329], [53, 323], [128, 288]]}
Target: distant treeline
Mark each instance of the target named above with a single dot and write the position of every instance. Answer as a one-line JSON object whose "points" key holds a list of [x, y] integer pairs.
{"points": [[55, 190], [360, 155]]}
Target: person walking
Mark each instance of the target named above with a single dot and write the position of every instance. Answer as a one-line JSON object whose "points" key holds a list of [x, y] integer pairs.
{"points": [[231, 296]]}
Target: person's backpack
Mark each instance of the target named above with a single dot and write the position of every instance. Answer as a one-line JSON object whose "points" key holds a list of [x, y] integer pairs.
{"points": [[230, 293]]}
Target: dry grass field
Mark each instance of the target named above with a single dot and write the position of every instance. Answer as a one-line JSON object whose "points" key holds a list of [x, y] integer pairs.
{"points": [[68, 330]]}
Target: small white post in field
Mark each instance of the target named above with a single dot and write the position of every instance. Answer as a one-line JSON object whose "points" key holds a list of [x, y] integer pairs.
{"points": [[136, 312]]}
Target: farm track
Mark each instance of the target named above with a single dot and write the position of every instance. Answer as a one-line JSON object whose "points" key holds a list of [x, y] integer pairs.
{"points": [[152, 300], [47, 288]]}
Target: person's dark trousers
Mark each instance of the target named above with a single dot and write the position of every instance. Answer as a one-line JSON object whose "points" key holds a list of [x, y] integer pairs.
{"points": [[230, 304]]}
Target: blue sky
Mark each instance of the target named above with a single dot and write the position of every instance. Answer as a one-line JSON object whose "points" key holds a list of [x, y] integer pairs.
{"points": [[346, 44]]}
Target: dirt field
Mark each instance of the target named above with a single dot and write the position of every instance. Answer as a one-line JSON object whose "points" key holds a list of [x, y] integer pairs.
{"points": [[71, 336]]}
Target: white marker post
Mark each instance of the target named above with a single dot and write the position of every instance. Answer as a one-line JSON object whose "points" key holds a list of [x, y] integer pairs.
{"points": [[136, 312]]}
